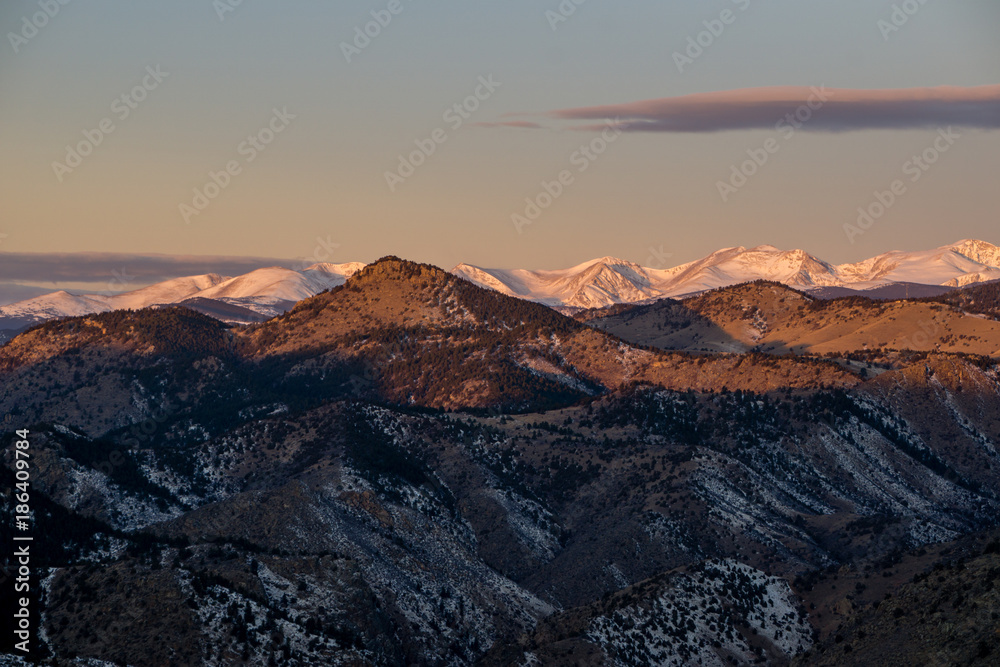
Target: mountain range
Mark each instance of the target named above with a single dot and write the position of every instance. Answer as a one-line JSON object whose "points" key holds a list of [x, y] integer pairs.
{"points": [[411, 469], [267, 292], [608, 280], [254, 296]]}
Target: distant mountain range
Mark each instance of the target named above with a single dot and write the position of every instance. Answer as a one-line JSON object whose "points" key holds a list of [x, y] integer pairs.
{"points": [[254, 296], [607, 281], [267, 292]]}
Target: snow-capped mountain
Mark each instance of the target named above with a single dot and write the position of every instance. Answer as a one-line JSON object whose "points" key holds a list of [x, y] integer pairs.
{"points": [[272, 290], [64, 304], [591, 284], [736, 265], [268, 292], [955, 265], [608, 280], [597, 283]]}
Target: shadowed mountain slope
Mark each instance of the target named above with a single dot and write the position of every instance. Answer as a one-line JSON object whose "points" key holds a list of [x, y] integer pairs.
{"points": [[409, 469]]}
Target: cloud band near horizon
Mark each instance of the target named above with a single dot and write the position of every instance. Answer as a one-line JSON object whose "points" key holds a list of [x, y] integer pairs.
{"points": [[98, 267], [819, 109]]}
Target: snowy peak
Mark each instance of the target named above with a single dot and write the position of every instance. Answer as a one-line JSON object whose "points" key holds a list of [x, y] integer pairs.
{"points": [[335, 271], [268, 292], [959, 264], [792, 267], [593, 284], [505, 282], [168, 291], [275, 284], [979, 251], [609, 280], [56, 304], [611, 263]]}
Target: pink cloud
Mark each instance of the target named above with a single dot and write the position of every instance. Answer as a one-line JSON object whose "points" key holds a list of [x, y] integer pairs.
{"points": [[815, 108]]}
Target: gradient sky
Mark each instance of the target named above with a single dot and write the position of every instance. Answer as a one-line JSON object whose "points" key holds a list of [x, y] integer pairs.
{"points": [[323, 177]]}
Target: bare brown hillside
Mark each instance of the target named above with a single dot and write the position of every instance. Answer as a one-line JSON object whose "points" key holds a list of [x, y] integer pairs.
{"points": [[413, 470], [772, 318]]}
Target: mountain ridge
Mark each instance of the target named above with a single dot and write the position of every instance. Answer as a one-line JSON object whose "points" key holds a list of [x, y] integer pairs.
{"points": [[960, 264], [595, 283], [412, 469], [267, 291]]}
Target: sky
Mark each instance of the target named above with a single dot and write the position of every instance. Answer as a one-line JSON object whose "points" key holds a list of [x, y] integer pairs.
{"points": [[279, 129]]}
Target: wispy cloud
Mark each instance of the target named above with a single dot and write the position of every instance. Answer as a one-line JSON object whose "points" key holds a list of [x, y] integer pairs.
{"points": [[99, 267], [836, 110], [524, 124]]}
